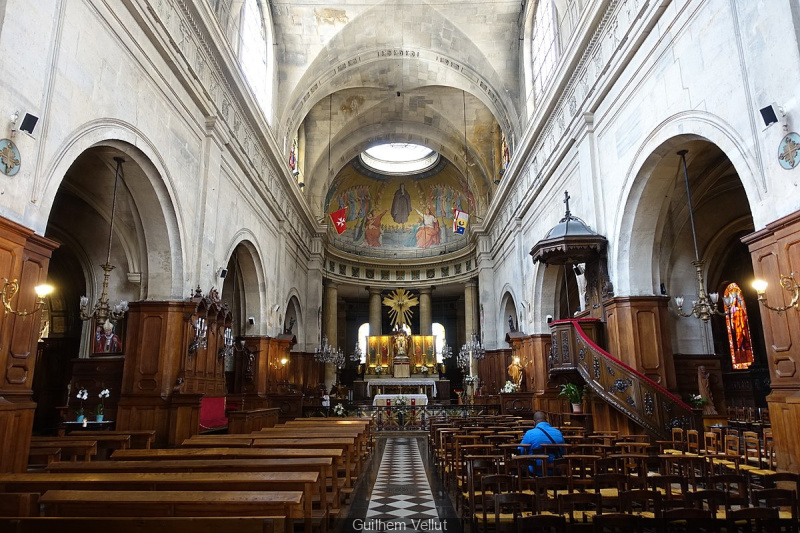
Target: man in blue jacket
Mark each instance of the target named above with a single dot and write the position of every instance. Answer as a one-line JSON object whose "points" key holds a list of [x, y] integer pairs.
{"points": [[543, 433]]}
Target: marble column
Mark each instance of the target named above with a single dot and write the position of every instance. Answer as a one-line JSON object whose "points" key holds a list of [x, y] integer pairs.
{"points": [[331, 327], [471, 317], [425, 311], [375, 317]]}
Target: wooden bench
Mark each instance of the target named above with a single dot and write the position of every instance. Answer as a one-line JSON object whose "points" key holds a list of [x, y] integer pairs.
{"points": [[321, 465], [336, 454], [233, 524], [347, 444], [305, 482], [112, 503], [43, 456], [72, 448], [139, 438], [211, 441], [19, 504]]}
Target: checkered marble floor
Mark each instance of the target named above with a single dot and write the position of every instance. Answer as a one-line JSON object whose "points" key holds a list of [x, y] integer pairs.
{"points": [[401, 492]]}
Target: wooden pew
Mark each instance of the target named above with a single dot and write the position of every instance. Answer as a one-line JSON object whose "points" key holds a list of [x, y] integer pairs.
{"points": [[336, 454], [139, 438], [362, 441], [211, 441], [234, 524], [305, 482], [322, 465], [346, 443], [19, 504], [85, 448], [38, 457], [112, 503]]}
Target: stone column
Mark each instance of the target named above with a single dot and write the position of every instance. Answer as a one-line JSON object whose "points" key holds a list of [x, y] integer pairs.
{"points": [[330, 316], [375, 317], [471, 317], [425, 314]]}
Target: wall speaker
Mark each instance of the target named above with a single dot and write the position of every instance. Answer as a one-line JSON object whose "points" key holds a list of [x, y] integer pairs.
{"points": [[770, 114], [223, 273], [28, 123], [251, 320]]}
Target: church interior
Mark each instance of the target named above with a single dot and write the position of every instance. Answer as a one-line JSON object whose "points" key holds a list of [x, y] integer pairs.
{"points": [[370, 265]]}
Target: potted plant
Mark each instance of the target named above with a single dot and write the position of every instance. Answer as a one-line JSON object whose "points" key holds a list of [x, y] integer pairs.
{"points": [[574, 394], [99, 412], [82, 395]]}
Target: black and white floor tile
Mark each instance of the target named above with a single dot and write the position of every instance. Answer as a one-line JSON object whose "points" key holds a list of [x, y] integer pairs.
{"points": [[401, 492]]}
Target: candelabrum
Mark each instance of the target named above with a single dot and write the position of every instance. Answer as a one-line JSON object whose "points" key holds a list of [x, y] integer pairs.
{"points": [[10, 289], [200, 339], [227, 344], [327, 354], [788, 283], [101, 310], [706, 304], [469, 351]]}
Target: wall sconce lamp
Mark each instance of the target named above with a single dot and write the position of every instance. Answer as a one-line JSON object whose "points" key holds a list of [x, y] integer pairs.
{"points": [[227, 344], [10, 289], [200, 339], [788, 283]]}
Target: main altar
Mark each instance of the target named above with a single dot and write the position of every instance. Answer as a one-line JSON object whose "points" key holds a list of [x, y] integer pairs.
{"points": [[401, 364], [401, 355]]}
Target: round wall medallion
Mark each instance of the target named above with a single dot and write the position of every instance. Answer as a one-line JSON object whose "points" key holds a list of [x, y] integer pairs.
{"points": [[10, 159], [789, 151]]}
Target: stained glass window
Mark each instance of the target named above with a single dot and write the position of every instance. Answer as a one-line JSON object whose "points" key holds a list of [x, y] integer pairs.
{"points": [[738, 327]]}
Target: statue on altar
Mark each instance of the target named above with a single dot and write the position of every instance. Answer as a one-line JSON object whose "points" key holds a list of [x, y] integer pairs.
{"points": [[400, 344]]}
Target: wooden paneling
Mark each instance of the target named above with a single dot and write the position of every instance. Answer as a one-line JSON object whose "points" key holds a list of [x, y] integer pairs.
{"points": [[775, 251], [162, 381], [24, 256], [638, 335]]}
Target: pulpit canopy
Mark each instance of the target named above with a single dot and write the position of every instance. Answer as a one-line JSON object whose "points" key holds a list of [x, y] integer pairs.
{"points": [[569, 242]]}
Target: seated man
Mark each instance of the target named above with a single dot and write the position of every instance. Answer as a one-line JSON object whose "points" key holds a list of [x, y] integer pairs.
{"points": [[543, 433]]}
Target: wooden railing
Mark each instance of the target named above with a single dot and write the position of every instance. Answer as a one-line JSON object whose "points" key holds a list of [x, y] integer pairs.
{"points": [[639, 398]]}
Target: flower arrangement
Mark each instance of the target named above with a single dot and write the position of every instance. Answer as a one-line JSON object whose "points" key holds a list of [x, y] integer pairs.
{"points": [[379, 369], [82, 395], [424, 369], [401, 401], [471, 379], [697, 401], [510, 386], [105, 393], [338, 409]]}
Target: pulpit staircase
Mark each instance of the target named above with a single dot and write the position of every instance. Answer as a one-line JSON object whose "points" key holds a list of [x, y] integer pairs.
{"points": [[633, 394]]}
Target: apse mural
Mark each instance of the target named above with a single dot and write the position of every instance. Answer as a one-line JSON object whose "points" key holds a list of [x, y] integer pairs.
{"points": [[400, 213], [738, 327]]}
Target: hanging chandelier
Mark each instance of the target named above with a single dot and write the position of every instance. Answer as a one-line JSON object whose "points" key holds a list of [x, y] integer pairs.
{"points": [[325, 353], [705, 306], [469, 351], [101, 311]]}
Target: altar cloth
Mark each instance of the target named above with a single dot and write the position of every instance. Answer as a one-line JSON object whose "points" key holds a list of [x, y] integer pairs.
{"points": [[395, 381], [420, 400]]}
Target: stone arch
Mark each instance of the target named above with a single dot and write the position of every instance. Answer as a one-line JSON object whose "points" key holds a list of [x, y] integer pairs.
{"points": [[508, 307], [643, 192], [154, 199], [295, 310], [245, 288]]}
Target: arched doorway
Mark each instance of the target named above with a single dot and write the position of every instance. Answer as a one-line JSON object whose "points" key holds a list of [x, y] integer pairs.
{"points": [[110, 208], [660, 261]]}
